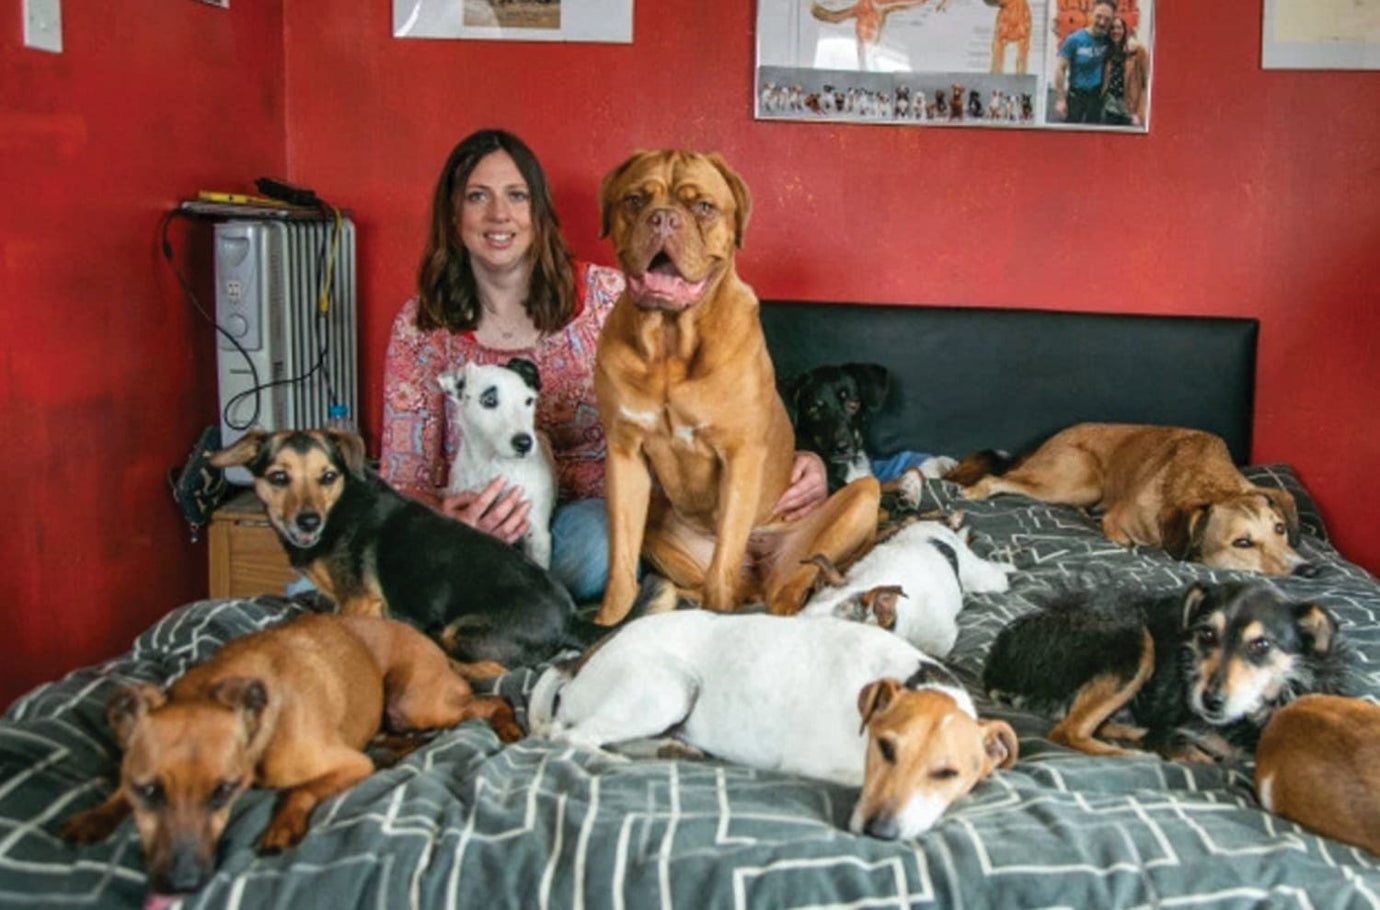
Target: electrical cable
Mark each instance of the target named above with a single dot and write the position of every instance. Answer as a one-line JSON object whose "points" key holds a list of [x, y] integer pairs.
{"points": [[257, 387]]}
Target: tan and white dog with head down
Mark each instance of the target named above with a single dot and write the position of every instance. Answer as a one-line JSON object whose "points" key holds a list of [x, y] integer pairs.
{"points": [[1168, 487], [785, 694], [687, 395]]}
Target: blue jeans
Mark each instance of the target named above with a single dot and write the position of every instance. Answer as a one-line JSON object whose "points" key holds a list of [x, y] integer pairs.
{"points": [[891, 468], [580, 548]]}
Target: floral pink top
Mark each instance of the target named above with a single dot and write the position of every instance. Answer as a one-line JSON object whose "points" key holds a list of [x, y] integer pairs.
{"points": [[420, 436]]}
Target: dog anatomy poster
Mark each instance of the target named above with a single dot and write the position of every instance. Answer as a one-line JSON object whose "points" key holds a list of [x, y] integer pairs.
{"points": [[515, 20], [1060, 64]]}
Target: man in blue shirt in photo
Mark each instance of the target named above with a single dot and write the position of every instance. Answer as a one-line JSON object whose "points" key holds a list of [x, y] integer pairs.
{"points": [[1078, 68]]}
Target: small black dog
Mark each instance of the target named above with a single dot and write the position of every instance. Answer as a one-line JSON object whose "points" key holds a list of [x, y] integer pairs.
{"points": [[376, 552], [829, 407], [1199, 672]]}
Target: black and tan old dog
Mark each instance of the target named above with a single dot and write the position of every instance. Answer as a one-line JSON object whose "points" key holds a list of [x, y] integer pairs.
{"points": [[375, 552], [1193, 676]]}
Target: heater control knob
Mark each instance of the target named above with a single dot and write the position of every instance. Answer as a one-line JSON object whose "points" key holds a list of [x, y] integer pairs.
{"points": [[236, 325]]}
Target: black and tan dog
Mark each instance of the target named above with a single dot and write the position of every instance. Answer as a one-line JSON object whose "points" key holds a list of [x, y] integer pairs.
{"points": [[290, 708], [1160, 486], [378, 553], [1199, 673], [829, 407], [687, 394]]}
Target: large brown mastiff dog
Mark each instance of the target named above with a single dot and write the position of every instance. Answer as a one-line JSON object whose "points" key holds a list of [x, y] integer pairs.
{"points": [[1169, 487], [687, 393]]}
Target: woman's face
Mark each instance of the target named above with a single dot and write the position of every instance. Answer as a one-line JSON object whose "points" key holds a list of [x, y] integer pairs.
{"points": [[1118, 31], [496, 214]]}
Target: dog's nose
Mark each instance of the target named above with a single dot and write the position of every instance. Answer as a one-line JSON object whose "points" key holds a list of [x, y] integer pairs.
{"points": [[308, 521], [185, 872], [1213, 702], [1307, 570], [882, 827], [842, 445], [522, 443], [664, 221]]}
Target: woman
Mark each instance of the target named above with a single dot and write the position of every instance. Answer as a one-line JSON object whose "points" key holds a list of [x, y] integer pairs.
{"points": [[497, 281], [1125, 75]]}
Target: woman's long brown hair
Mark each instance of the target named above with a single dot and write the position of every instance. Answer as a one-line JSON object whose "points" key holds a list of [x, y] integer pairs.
{"points": [[446, 288]]}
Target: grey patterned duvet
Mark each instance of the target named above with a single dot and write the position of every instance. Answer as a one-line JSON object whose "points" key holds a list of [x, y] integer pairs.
{"points": [[466, 822]]}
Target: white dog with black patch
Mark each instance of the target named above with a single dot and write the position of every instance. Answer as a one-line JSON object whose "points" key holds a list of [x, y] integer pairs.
{"points": [[496, 411], [780, 694], [920, 573]]}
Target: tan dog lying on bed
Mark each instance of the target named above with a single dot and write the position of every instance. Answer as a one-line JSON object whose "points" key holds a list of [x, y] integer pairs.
{"points": [[1160, 486], [292, 708], [687, 393]]}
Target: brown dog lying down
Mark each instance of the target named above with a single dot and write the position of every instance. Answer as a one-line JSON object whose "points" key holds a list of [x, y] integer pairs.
{"points": [[292, 708], [687, 394], [1318, 764], [1160, 486]]}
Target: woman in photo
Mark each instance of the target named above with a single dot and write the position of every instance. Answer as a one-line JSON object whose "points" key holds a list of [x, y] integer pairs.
{"points": [[1125, 76]]}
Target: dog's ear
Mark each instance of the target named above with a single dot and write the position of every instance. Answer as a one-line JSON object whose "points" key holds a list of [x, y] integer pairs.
{"points": [[1317, 627], [245, 695], [351, 449], [873, 382], [875, 698], [1188, 607], [1282, 501], [127, 705], [1182, 530], [607, 187], [790, 394], [882, 601], [241, 452], [1000, 743], [452, 382], [742, 200], [527, 370]]}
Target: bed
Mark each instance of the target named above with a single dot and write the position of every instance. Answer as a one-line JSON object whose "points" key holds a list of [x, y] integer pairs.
{"points": [[468, 822]]}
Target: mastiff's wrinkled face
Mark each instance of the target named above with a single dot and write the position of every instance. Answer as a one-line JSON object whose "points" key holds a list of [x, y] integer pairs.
{"points": [[675, 219]]}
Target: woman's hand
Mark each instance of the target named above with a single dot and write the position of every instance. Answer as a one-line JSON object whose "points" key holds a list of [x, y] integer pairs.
{"points": [[809, 487], [502, 515]]}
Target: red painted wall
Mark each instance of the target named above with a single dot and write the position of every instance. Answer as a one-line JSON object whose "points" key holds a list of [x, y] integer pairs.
{"points": [[1255, 195], [108, 376]]}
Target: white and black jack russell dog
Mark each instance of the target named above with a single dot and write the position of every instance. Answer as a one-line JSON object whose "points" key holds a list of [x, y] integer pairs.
{"points": [[913, 583], [783, 694], [496, 412]]}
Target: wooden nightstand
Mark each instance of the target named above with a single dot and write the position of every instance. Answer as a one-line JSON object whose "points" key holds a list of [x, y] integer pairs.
{"points": [[246, 556]]}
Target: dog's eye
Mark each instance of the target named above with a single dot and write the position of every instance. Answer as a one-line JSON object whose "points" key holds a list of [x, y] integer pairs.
{"points": [[329, 477], [277, 478], [633, 202], [1279, 527], [943, 774], [705, 209], [888, 750], [1207, 637], [1261, 647], [224, 792], [529, 402], [150, 794], [1242, 543], [490, 398]]}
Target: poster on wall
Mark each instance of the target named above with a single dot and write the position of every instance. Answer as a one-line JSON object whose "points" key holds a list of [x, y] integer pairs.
{"points": [[1003, 64], [515, 20], [1321, 35]]}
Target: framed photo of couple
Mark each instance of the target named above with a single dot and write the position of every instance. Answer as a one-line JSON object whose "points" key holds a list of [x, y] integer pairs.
{"points": [[997, 64]]}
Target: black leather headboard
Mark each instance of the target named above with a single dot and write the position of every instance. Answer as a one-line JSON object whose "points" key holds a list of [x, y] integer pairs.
{"points": [[965, 379]]}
